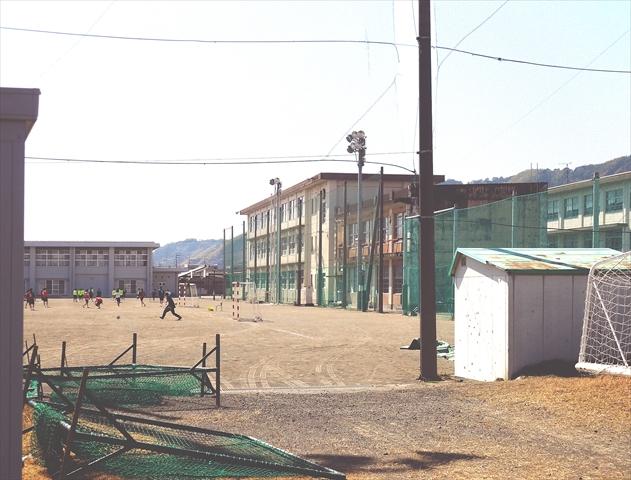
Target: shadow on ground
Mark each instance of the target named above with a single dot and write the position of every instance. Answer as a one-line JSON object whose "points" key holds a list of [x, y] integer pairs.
{"points": [[420, 460]]}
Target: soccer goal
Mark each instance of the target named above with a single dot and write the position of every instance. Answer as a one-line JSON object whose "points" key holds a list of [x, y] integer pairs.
{"points": [[606, 339], [187, 295], [245, 302]]}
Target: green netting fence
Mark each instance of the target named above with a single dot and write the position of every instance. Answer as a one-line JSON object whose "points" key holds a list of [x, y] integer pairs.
{"points": [[519, 221], [132, 384], [150, 449]]}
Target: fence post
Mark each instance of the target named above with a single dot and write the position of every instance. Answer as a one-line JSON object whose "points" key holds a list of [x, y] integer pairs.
{"points": [[134, 348], [218, 366]]}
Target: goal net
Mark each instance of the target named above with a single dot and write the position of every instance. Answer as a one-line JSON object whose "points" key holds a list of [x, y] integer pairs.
{"points": [[187, 295], [245, 302], [606, 339]]}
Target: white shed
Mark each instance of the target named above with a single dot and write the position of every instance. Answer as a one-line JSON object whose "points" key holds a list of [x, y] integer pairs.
{"points": [[516, 307]]}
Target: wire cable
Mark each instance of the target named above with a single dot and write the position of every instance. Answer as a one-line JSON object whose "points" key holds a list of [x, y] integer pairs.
{"points": [[535, 64], [453, 49], [207, 162], [313, 41]]}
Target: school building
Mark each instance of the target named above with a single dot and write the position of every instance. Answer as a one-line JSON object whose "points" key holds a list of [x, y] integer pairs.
{"points": [[64, 266]]}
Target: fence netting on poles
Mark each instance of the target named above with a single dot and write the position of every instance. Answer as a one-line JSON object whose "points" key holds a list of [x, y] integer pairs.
{"points": [[519, 222], [133, 384]]}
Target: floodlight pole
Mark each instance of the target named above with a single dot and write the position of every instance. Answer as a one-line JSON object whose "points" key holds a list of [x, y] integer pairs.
{"points": [[427, 284], [360, 250]]}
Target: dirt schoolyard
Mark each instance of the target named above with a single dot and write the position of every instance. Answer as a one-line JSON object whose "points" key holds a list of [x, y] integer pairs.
{"points": [[333, 386]]}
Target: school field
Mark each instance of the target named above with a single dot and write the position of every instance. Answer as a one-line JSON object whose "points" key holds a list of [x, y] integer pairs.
{"points": [[333, 386]]}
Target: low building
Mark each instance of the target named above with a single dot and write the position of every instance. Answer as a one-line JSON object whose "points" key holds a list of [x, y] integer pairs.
{"points": [[167, 278], [517, 307], [574, 207], [64, 266]]}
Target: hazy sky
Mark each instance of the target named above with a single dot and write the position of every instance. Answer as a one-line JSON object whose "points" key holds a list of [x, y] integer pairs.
{"points": [[116, 99]]}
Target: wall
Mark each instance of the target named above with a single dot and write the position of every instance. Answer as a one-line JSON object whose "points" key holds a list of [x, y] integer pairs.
{"points": [[18, 112], [481, 319], [546, 319]]}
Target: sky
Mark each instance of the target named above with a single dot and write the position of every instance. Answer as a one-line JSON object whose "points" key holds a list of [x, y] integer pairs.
{"points": [[113, 99]]}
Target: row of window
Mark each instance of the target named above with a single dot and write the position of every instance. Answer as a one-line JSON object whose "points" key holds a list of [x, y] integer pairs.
{"points": [[288, 211], [57, 287], [60, 257], [613, 203], [288, 246], [609, 239]]}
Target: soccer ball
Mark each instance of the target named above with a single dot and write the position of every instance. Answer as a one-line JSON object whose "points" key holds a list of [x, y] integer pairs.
{"points": [[210, 309], [118, 317]]}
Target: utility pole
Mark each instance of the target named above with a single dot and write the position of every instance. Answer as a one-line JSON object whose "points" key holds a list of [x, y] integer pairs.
{"points": [[427, 285], [299, 272], [357, 145], [277, 189], [381, 239], [344, 252]]}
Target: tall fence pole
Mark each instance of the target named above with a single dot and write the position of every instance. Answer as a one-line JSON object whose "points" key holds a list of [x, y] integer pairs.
{"points": [[427, 284], [344, 251], [596, 211], [299, 266], [231, 259], [513, 219], [380, 278], [320, 290]]}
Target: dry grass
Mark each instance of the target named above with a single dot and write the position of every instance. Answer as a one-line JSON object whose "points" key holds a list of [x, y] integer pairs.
{"points": [[333, 386]]}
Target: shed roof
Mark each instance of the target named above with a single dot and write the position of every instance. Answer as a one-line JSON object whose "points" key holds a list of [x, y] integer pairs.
{"points": [[535, 260]]}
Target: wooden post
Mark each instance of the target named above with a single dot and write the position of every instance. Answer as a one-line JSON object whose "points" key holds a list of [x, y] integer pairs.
{"points": [[73, 425], [134, 348]]}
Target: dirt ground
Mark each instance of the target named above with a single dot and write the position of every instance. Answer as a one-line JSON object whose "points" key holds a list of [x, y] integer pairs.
{"points": [[334, 386]]}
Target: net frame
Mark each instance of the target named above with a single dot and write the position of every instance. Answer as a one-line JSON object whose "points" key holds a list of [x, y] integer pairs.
{"points": [[246, 293], [606, 336]]}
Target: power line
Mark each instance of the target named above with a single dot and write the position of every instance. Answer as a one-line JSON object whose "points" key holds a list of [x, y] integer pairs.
{"points": [[535, 64], [312, 41], [468, 34], [208, 162]]}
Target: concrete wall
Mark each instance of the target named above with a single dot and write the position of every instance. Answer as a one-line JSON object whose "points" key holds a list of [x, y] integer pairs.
{"points": [[18, 112]]}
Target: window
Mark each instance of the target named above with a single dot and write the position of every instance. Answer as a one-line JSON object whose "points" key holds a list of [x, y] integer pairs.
{"points": [[130, 257], [292, 244], [570, 207], [553, 210], [553, 241], [55, 287], [27, 256], [283, 245], [291, 209], [588, 204], [613, 200], [130, 287], [613, 239], [87, 257], [587, 239], [398, 230], [52, 257], [570, 241]]}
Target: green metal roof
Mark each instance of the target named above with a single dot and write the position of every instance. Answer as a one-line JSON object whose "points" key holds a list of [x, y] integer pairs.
{"points": [[535, 260]]}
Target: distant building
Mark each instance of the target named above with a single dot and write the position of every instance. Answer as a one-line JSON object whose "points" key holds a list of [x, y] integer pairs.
{"points": [[319, 244], [572, 209], [167, 278], [64, 266]]}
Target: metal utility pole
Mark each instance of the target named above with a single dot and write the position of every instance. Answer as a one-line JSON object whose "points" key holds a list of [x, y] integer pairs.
{"points": [[427, 285], [380, 278], [320, 286], [596, 211], [277, 189], [299, 272], [345, 248], [357, 145]]}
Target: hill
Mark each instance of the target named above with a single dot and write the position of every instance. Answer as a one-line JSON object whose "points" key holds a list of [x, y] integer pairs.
{"points": [[190, 251], [561, 176]]}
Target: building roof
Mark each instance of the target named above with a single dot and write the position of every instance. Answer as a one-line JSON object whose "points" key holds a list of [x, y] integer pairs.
{"points": [[325, 176], [536, 260], [568, 187], [64, 244]]}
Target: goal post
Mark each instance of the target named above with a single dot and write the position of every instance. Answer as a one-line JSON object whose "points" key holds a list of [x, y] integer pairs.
{"points": [[245, 302], [606, 337]]}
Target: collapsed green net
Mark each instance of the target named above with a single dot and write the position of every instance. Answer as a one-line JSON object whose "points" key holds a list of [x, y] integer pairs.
{"points": [[121, 385], [165, 451]]}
